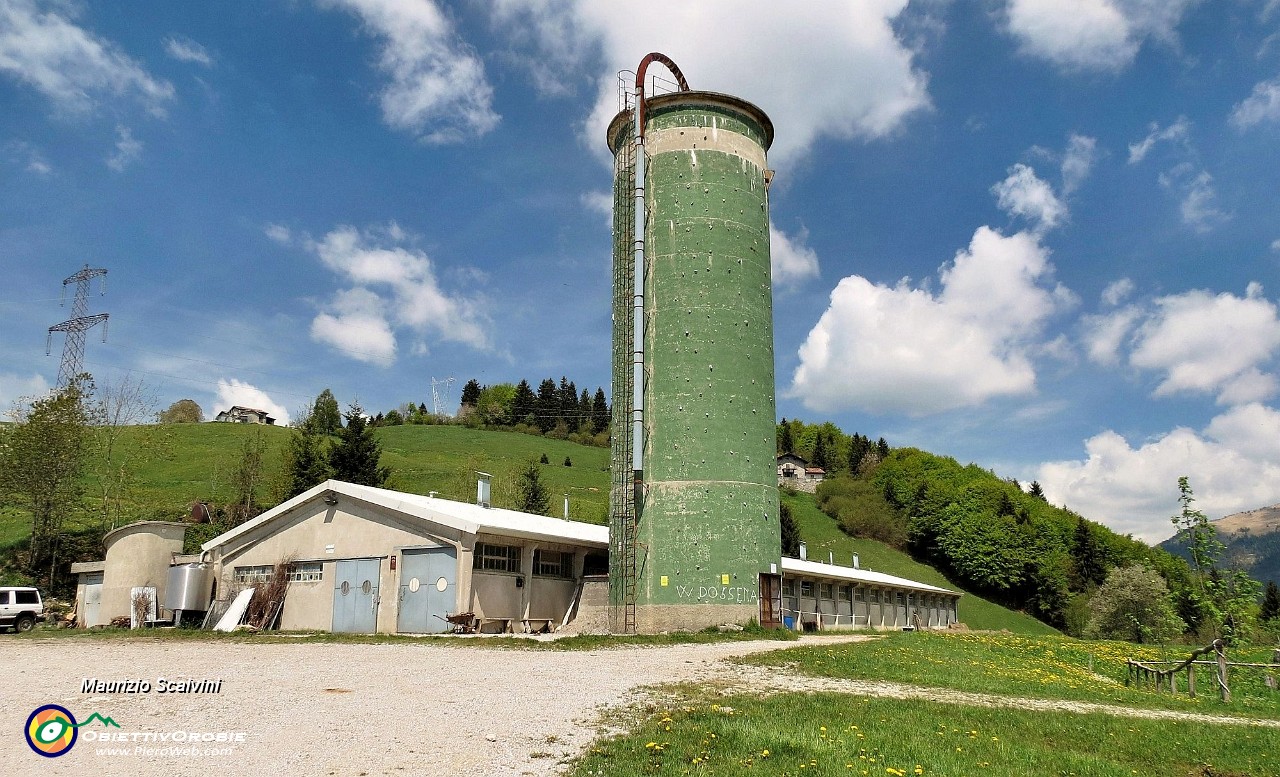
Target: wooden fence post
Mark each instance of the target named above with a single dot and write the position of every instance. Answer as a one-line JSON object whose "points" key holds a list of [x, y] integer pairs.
{"points": [[1220, 649], [1191, 679]]}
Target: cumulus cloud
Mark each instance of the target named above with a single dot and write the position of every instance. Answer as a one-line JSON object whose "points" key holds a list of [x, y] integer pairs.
{"points": [[792, 260], [41, 47], [28, 157], [278, 233], [1105, 334], [394, 286], [1211, 343], [1116, 292], [187, 50], [810, 93], [1262, 105], [601, 203], [237, 392], [1234, 465], [1094, 34], [1198, 199], [438, 89], [904, 349], [128, 149], [1024, 194]]}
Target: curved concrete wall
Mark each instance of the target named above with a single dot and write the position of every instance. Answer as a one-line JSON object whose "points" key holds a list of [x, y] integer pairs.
{"points": [[138, 555]]}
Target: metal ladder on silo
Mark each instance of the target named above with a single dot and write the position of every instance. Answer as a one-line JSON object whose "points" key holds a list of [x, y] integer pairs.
{"points": [[624, 283]]}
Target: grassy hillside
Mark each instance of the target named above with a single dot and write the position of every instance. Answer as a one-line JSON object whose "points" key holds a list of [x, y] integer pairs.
{"points": [[825, 541]]}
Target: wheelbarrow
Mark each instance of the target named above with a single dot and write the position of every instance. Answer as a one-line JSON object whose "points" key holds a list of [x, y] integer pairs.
{"points": [[462, 623]]}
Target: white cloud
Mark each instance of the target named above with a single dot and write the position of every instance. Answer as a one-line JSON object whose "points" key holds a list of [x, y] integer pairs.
{"points": [[902, 349], [1262, 105], [1177, 132], [186, 50], [128, 149], [1234, 465], [14, 387], [1091, 34], [1198, 199], [278, 233], [1275, 245], [1116, 292], [395, 286], [600, 202], [1105, 334], [1024, 194], [40, 46], [438, 88], [1078, 161], [846, 73], [28, 156], [1206, 343], [791, 260], [236, 392], [358, 327]]}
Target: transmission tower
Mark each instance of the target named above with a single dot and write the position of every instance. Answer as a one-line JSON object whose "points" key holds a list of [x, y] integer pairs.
{"points": [[79, 323], [440, 399]]}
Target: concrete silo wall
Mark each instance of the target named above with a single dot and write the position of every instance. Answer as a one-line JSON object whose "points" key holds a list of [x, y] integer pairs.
{"points": [[708, 525]]}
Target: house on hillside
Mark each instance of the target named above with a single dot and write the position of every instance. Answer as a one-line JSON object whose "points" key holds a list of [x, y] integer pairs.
{"points": [[791, 466], [245, 415]]}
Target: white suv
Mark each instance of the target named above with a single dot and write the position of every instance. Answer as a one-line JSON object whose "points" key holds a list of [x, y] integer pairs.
{"points": [[20, 608]]}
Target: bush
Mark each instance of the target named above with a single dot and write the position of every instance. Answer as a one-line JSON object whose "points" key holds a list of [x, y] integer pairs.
{"points": [[1133, 604]]}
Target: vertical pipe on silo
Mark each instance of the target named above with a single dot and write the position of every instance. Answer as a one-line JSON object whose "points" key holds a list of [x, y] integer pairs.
{"points": [[637, 333]]}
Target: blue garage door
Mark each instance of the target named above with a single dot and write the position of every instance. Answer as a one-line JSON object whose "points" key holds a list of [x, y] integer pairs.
{"points": [[427, 590], [355, 596]]}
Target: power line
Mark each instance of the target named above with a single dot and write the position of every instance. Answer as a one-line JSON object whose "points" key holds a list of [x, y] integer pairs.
{"points": [[79, 323]]}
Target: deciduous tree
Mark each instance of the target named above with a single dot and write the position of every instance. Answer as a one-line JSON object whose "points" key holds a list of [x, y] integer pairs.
{"points": [[184, 411], [1133, 604], [325, 416]]}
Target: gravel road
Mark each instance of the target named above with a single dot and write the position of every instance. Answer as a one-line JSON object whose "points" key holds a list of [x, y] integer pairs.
{"points": [[334, 709], [464, 709]]}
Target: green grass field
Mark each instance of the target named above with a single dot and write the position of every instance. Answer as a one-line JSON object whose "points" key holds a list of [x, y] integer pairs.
{"points": [[826, 540]]}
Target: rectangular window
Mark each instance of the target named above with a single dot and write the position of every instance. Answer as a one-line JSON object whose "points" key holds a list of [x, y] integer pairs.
{"points": [[552, 563], [827, 592], [899, 598], [496, 558], [806, 588], [306, 572], [860, 594], [875, 596], [4, 597], [846, 593], [252, 575], [788, 588], [26, 597]]}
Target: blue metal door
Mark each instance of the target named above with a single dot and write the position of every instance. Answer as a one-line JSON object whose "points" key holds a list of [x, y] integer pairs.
{"points": [[427, 590], [355, 596]]}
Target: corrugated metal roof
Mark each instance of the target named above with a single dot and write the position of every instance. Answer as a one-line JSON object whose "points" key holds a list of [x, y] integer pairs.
{"points": [[796, 566], [470, 518]]}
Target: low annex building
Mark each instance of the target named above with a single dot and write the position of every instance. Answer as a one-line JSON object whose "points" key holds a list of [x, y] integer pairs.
{"points": [[366, 560]]}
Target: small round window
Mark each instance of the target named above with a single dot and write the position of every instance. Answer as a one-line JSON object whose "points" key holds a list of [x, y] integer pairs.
{"points": [[414, 585], [366, 588], [442, 585], [346, 588]]}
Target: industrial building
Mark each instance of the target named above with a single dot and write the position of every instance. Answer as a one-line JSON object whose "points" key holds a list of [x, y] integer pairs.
{"points": [[371, 560]]}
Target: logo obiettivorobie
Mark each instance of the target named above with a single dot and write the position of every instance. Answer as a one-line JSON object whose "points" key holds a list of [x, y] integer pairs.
{"points": [[51, 730]]}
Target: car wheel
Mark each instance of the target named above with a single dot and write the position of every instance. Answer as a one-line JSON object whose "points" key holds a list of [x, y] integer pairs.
{"points": [[24, 624]]}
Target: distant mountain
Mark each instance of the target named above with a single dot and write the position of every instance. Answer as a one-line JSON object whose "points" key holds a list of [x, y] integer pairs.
{"points": [[1252, 539]]}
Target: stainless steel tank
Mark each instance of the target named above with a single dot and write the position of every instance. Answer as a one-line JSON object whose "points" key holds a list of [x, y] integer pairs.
{"points": [[189, 588]]}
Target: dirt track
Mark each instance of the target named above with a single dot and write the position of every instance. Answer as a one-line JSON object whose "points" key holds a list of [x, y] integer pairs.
{"points": [[349, 709]]}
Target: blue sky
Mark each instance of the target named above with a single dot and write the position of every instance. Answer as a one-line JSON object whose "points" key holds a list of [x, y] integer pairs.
{"points": [[1039, 236]]}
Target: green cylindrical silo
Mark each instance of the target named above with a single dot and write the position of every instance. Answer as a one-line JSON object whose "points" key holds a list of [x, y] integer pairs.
{"points": [[707, 524]]}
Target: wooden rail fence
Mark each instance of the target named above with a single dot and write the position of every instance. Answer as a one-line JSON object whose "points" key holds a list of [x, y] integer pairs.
{"points": [[1150, 673]]}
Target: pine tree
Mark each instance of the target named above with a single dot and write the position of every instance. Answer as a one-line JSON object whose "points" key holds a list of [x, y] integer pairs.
{"points": [[1270, 603], [471, 393], [582, 422], [532, 496], [1087, 554], [820, 458], [785, 442], [599, 412], [548, 405], [305, 461], [524, 404], [790, 532], [1037, 491], [355, 458]]}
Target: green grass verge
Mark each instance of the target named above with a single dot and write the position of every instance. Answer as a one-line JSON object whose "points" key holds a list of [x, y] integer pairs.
{"points": [[1039, 667], [836, 734], [826, 540]]}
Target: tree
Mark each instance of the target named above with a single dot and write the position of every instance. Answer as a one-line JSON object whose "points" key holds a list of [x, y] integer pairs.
{"points": [[583, 423], [184, 411], [785, 443], [531, 495], [325, 417], [790, 532], [568, 462], [1037, 491], [42, 456], [1226, 597], [1133, 604], [820, 458], [470, 393], [599, 412], [1088, 557], [356, 456], [124, 403], [305, 460], [548, 411], [247, 476], [1270, 603], [393, 418], [524, 404]]}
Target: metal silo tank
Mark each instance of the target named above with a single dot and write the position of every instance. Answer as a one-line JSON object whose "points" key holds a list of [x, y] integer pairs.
{"points": [[707, 524]]}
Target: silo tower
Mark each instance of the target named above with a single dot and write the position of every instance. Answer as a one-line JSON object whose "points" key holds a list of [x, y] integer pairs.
{"points": [[695, 536]]}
